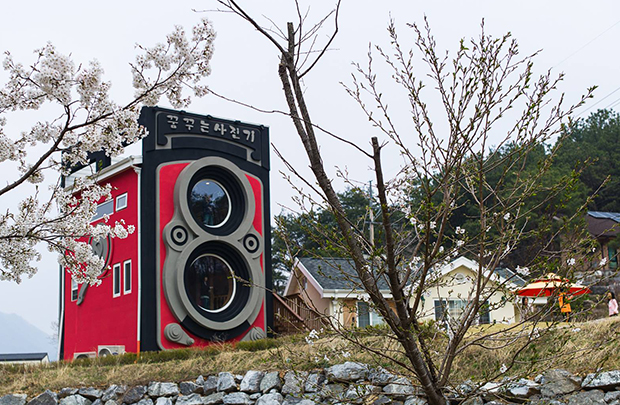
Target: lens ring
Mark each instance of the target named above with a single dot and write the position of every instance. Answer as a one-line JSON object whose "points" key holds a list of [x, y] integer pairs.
{"points": [[179, 235], [251, 243]]}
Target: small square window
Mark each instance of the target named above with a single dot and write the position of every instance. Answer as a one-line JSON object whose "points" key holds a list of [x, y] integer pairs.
{"points": [[74, 289], [121, 202], [116, 280], [127, 277]]}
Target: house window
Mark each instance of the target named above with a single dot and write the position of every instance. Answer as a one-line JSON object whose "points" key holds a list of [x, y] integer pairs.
{"points": [[116, 280], [455, 308], [127, 277], [121, 202], [105, 208], [74, 289], [366, 316], [613, 257]]}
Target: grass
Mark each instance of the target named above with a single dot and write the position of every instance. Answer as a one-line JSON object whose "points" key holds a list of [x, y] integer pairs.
{"points": [[578, 347]]}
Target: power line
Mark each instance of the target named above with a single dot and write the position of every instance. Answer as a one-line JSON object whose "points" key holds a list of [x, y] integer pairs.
{"points": [[578, 50]]}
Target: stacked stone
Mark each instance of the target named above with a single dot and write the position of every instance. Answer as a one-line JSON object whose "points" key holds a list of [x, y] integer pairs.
{"points": [[348, 383]]}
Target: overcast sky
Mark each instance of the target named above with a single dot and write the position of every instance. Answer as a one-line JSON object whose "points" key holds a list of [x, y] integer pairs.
{"points": [[577, 38]]}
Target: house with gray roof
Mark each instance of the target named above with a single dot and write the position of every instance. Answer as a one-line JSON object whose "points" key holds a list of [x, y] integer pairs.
{"points": [[330, 287]]}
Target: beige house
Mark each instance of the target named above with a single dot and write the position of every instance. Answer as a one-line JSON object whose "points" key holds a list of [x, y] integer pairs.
{"points": [[330, 287], [452, 289]]}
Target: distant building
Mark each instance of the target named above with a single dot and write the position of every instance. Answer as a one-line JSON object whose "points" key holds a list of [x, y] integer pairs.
{"points": [[24, 358]]}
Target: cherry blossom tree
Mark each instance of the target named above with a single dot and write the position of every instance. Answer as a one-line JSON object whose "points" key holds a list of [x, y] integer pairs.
{"points": [[466, 152], [88, 121]]}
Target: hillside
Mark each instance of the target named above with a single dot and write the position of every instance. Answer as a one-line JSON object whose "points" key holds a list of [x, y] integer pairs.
{"points": [[578, 347], [19, 336]]}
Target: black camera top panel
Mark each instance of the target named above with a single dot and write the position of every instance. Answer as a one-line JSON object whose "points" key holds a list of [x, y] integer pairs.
{"points": [[172, 129]]}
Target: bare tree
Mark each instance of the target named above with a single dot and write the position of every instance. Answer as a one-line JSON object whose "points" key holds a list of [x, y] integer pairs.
{"points": [[475, 151]]}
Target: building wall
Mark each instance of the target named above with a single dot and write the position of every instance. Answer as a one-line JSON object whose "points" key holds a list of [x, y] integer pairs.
{"points": [[102, 318], [310, 294], [451, 290]]}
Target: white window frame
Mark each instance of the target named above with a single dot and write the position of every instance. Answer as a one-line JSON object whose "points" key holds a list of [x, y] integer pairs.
{"points": [[119, 199], [74, 289], [374, 318], [126, 265], [116, 277]]}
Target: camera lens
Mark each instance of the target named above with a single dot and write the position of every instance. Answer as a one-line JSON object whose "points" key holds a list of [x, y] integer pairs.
{"points": [[211, 285], [209, 203]]}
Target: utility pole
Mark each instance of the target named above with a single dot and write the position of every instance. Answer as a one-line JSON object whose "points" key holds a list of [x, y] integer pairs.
{"points": [[372, 216]]}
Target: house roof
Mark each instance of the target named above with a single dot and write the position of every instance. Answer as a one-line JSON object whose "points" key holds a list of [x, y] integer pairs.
{"points": [[603, 224], [614, 216], [22, 356], [333, 273]]}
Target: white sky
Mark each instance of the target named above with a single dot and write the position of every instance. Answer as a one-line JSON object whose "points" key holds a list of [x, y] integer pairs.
{"points": [[576, 37]]}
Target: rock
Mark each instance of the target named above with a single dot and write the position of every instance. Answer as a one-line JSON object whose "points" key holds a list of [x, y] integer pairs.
{"points": [[382, 400], [13, 399], [145, 401], [349, 371], [314, 382], [113, 392], [226, 383], [251, 381], [401, 387], [200, 380], [256, 395], [380, 376], [238, 378], [237, 398], [46, 398], [612, 396], [213, 399], [332, 392], [90, 393], [521, 388], [190, 387], [162, 389], [75, 400], [558, 382], [210, 385], [65, 392], [359, 391], [491, 387], [270, 399], [270, 381], [192, 399], [473, 401], [294, 382], [593, 397], [163, 401], [134, 394], [416, 401], [604, 380], [111, 402]]}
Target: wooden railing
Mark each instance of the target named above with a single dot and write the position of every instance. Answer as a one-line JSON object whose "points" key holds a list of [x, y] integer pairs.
{"points": [[293, 315]]}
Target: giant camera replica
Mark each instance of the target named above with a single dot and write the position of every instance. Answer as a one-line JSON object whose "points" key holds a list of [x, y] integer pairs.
{"points": [[198, 268]]}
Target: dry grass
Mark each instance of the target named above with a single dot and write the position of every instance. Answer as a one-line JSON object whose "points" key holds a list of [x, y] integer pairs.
{"points": [[578, 347]]}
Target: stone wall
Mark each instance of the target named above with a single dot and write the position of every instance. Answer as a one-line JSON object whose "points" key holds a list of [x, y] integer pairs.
{"points": [[348, 383]]}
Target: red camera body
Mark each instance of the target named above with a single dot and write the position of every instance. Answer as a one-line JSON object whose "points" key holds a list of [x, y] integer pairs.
{"points": [[197, 269]]}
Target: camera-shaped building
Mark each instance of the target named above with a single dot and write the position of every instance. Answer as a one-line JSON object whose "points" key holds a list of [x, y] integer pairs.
{"points": [[197, 269]]}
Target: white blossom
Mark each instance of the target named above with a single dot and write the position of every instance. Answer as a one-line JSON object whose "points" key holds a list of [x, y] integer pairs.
{"points": [[432, 225], [459, 231], [503, 368], [88, 121], [571, 261], [524, 271], [603, 262], [507, 216]]}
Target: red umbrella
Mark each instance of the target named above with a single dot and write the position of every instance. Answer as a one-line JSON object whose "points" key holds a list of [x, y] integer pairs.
{"points": [[545, 286]]}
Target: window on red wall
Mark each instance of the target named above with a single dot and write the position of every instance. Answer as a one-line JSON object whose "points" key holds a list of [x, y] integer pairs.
{"points": [[74, 289], [121, 202], [116, 279], [127, 277]]}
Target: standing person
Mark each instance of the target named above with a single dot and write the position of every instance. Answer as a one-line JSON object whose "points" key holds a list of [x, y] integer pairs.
{"points": [[612, 304], [564, 306]]}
